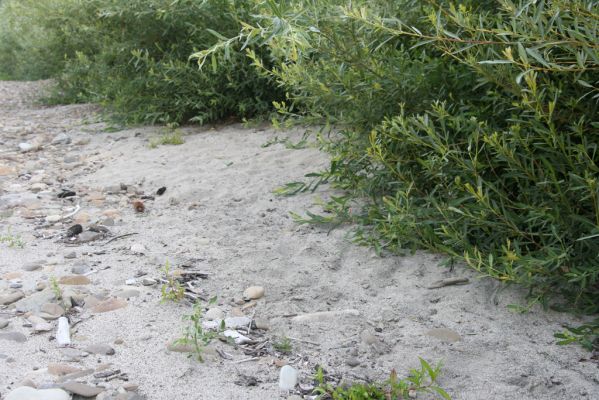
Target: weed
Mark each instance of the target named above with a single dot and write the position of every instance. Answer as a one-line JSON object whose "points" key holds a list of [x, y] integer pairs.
{"points": [[419, 380], [195, 334], [172, 290], [587, 335], [283, 345], [172, 138], [13, 241]]}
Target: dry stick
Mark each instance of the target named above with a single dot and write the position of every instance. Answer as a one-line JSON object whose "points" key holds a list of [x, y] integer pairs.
{"points": [[303, 341], [121, 236], [245, 360], [77, 209]]}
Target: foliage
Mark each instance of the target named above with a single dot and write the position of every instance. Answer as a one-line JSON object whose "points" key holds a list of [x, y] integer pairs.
{"points": [[132, 56], [419, 380], [195, 334], [465, 128], [587, 335]]}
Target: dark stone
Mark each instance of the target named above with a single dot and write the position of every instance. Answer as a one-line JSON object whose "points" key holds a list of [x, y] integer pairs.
{"points": [[161, 191], [74, 230]]}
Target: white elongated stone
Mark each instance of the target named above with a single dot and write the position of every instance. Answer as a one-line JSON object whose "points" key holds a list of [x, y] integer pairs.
{"points": [[287, 378], [63, 335], [237, 337]]}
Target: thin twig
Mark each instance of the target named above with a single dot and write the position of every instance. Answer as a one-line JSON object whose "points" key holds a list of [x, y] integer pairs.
{"points": [[303, 341], [121, 236], [245, 360]]}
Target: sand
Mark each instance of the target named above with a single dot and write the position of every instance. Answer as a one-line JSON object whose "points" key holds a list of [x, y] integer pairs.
{"points": [[219, 211]]}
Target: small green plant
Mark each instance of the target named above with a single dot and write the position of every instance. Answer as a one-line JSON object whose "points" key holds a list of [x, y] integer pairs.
{"points": [[172, 289], [57, 290], [419, 380], [195, 335], [587, 335], [283, 345], [173, 138], [13, 241]]}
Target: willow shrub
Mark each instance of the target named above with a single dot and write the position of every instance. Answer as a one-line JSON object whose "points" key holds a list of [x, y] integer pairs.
{"points": [[469, 129], [133, 57]]}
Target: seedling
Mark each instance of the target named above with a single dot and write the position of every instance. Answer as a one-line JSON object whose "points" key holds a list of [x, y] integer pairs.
{"points": [[419, 380], [283, 345], [172, 289], [173, 138], [13, 241], [195, 334]]}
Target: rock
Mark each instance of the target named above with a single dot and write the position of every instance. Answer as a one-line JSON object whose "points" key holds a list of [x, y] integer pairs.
{"points": [[131, 282], [4, 170], [71, 159], [148, 282], [81, 269], [28, 393], [34, 266], [63, 333], [51, 311], [109, 305], [82, 389], [61, 369], [39, 286], [99, 348], [15, 284], [237, 312], [11, 297], [138, 248], [70, 255], [261, 324], [325, 315], [70, 354], [89, 236], [288, 378], [126, 294], [237, 337], [61, 138], [53, 218], [180, 347], [74, 280], [253, 293], [13, 337], [39, 324], [12, 275], [3, 323], [34, 302], [25, 147], [74, 230], [130, 387], [214, 313], [444, 334], [352, 362]]}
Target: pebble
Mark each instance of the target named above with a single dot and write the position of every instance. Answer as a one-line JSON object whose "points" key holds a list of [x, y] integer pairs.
{"points": [[53, 218], [74, 280], [13, 337], [89, 236], [12, 275], [148, 282], [214, 313], [28, 393], [40, 286], [128, 293], [261, 324], [287, 378], [34, 302], [253, 293], [82, 389], [3, 323], [352, 362], [25, 147], [71, 354], [70, 255], [51, 311], [444, 334], [109, 305], [74, 230], [39, 324], [61, 369], [100, 348], [33, 266], [138, 248], [11, 297], [61, 138]]}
